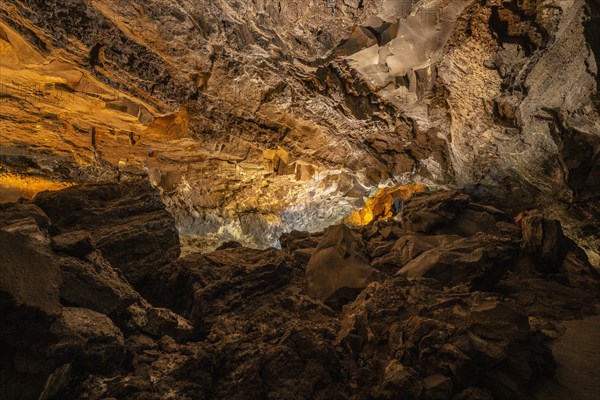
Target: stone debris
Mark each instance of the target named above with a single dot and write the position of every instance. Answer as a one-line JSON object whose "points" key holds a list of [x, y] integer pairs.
{"points": [[448, 303]]}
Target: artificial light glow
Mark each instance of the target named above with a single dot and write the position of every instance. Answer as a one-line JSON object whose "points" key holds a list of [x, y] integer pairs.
{"points": [[13, 187], [381, 205]]}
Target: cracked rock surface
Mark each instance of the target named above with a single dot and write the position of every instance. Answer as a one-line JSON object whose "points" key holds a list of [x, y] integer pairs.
{"points": [[257, 118], [460, 308]]}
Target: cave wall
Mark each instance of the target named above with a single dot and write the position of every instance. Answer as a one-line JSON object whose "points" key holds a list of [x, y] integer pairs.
{"points": [[260, 117]]}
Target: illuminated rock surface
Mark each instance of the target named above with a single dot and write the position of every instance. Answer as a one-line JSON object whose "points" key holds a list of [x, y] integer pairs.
{"points": [[262, 117]]}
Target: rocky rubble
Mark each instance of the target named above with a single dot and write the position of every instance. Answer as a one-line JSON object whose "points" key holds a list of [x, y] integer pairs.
{"points": [[458, 303]]}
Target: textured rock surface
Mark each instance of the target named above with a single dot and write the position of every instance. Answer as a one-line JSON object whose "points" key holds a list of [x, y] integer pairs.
{"points": [[337, 265], [243, 323], [259, 117], [128, 223]]}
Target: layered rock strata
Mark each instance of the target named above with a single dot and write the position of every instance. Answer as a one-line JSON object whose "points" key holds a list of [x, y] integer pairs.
{"points": [[262, 117]]}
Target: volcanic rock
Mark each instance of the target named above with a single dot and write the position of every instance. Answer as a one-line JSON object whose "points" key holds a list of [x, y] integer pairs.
{"points": [[292, 114], [201, 287], [398, 383], [337, 265], [90, 337], [78, 243], [478, 261], [423, 213], [13, 212], [119, 218], [437, 387], [544, 240], [29, 303], [243, 323], [93, 283]]}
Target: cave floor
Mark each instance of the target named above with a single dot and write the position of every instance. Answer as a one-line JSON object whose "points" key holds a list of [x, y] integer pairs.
{"points": [[577, 355]]}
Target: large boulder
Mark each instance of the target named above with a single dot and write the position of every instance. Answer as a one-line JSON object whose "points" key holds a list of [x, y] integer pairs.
{"points": [[77, 243], [88, 339], [425, 212], [399, 383], [12, 212], [478, 261], [93, 283], [203, 286], [128, 223], [29, 304], [338, 266], [156, 322], [407, 248], [544, 240]]}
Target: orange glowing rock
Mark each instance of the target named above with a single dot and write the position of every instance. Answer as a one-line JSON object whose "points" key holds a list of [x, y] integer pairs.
{"points": [[13, 187], [381, 205]]}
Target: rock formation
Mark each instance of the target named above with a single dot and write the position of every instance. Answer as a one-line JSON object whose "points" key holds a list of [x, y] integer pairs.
{"points": [[459, 303], [259, 118], [334, 199]]}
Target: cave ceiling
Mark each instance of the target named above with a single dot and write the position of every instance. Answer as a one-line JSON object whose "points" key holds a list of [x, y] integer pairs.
{"points": [[259, 117]]}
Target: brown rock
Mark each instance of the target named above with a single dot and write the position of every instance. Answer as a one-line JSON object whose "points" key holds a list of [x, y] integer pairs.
{"points": [[94, 284], [91, 338], [399, 382], [120, 218], [478, 261], [12, 212], [437, 387], [29, 303], [544, 240], [77, 244], [424, 212], [474, 393], [337, 265]]}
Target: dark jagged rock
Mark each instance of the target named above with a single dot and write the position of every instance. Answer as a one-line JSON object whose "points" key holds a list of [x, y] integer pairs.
{"points": [[407, 248], [203, 286], [544, 240], [89, 338], [240, 323], [399, 382], [29, 276], [29, 303], [437, 387], [474, 393], [157, 322], [77, 244], [478, 261], [425, 212], [93, 283], [466, 338], [337, 267], [13, 212], [128, 223]]}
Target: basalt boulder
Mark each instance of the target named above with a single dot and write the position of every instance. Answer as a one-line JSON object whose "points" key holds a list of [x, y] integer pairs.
{"points": [[478, 261], [128, 223], [203, 286], [338, 268], [29, 304]]}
